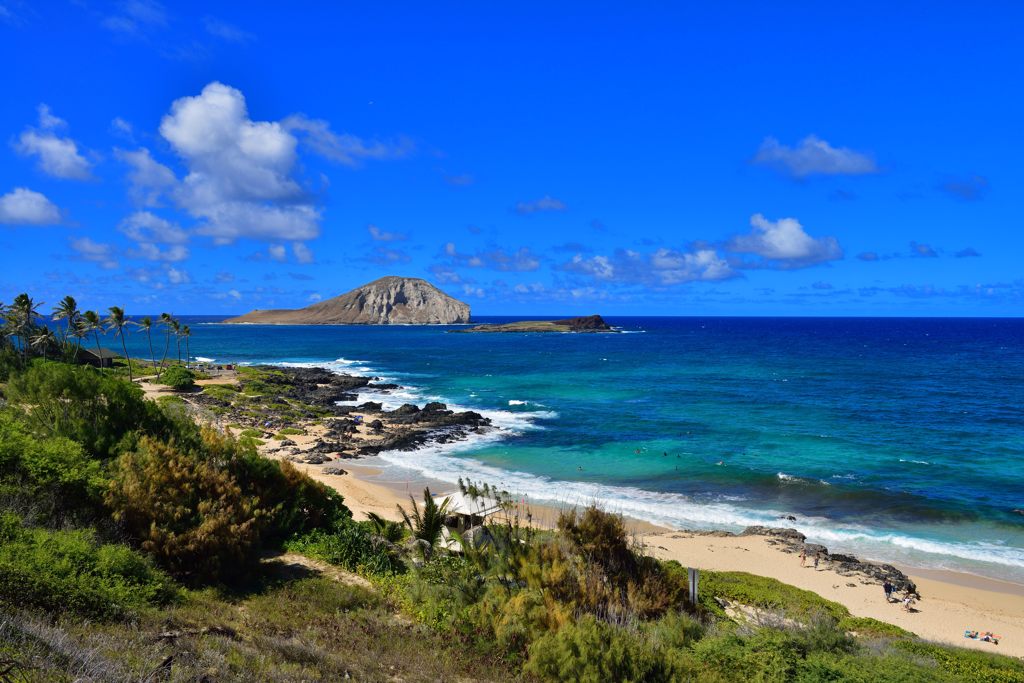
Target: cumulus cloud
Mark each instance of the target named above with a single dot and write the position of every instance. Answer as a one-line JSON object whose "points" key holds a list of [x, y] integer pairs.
{"points": [[177, 276], [235, 294], [545, 203], [143, 226], [302, 253], [813, 156], [56, 156], [277, 252], [664, 267], [239, 181], [970, 188], [784, 244], [22, 206], [923, 250], [343, 148], [96, 252], [148, 231], [148, 179], [378, 235]]}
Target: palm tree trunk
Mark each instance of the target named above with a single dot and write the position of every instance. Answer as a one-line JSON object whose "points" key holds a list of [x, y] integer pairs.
{"points": [[99, 354], [152, 357], [188, 354], [127, 357], [167, 345]]}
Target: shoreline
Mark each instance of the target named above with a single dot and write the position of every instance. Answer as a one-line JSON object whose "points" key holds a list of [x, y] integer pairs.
{"points": [[951, 601]]}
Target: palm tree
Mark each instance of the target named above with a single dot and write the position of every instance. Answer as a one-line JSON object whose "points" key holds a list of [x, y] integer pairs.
{"points": [[115, 321], [147, 325], [385, 528], [186, 333], [21, 315], [91, 323], [165, 320], [427, 524], [79, 331], [176, 328], [66, 310], [43, 338]]}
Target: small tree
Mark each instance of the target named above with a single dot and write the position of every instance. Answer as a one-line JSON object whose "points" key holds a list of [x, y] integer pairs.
{"points": [[427, 524]]}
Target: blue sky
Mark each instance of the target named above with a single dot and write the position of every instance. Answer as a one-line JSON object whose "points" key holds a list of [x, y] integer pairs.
{"points": [[548, 158]]}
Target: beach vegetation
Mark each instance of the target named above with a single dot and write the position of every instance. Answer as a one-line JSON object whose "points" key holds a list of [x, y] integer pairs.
{"points": [[178, 378], [426, 524]]}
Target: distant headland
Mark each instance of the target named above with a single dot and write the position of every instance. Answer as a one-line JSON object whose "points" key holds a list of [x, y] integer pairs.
{"points": [[388, 301]]}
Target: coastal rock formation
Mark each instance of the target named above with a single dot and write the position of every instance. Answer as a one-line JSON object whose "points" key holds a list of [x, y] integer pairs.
{"points": [[387, 301], [589, 323], [792, 541]]}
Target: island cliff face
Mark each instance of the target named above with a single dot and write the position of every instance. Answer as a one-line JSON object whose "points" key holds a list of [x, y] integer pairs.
{"points": [[387, 301]]}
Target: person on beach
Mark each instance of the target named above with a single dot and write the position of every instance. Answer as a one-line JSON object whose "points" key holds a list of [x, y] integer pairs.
{"points": [[989, 637], [908, 602], [887, 587], [803, 557], [817, 558]]}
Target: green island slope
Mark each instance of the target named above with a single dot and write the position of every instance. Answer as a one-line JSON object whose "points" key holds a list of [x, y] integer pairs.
{"points": [[136, 544]]}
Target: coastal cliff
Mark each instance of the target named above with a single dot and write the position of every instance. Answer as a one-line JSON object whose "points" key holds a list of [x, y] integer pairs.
{"points": [[388, 301]]}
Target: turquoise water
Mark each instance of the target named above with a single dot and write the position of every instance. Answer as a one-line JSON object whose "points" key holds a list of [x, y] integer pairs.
{"points": [[898, 439]]}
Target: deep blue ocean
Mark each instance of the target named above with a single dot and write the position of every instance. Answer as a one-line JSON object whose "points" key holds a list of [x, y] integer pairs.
{"points": [[898, 439]]}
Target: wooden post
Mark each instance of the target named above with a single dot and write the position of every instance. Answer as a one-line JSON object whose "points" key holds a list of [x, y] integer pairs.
{"points": [[694, 577]]}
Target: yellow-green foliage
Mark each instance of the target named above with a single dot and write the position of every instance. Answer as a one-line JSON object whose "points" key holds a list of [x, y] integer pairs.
{"points": [[187, 512]]}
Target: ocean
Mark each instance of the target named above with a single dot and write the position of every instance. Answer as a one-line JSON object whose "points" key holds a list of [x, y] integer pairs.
{"points": [[896, 439]]}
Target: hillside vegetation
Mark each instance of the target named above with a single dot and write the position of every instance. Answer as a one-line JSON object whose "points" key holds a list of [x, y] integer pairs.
{"points": [[137, 545]]}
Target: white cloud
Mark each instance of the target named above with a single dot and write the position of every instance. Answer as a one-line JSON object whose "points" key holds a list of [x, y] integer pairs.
{"points": [[471, 290], [240, 171], [314, 297], [813, 156], [143, 226], [235, 294], [545, 203], [122, 128], [22, 206], [147, 231], [662, 268], [57, 156], [343, 148], [785, 244], [378, 235], [136, 15], [303, 254], [277, 252], [225, 31], [176, 276], [96, 252], [149, 178]]}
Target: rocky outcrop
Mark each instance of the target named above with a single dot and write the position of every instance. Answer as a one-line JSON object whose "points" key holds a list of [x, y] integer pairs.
{"points": [[588, 323], [792, 541], [387, 301]]}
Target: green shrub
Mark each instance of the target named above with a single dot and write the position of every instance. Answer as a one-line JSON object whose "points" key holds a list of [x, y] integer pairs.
{"points": [[350, 546], [766, 593], [85, 405], [69, 571], [187, 512], [178, 378], [967, 665]]}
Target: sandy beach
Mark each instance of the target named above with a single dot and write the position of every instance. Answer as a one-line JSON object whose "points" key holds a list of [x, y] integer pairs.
{"points": [[951, 602]]}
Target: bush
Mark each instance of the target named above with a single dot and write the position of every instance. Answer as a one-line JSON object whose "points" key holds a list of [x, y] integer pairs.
{"points": [[188, 513], [350, 546], [595, 651], [967, 665], [70, 571], [52, 474], [85, 405], [178, 378]]}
